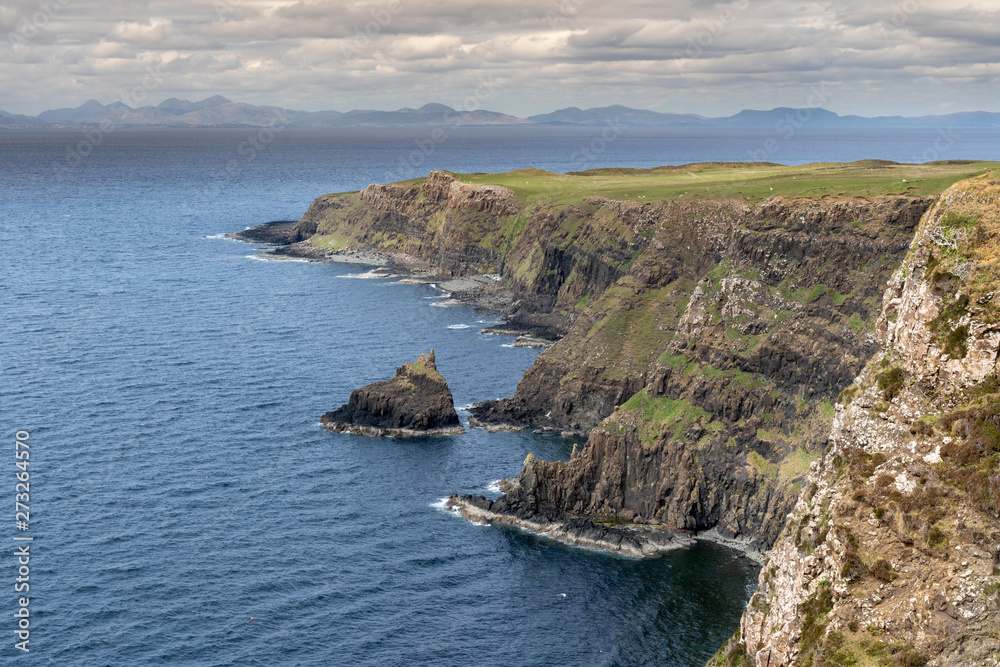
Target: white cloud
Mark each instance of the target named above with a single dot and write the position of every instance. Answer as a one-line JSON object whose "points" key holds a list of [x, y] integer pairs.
{"points": [[708, 57]]}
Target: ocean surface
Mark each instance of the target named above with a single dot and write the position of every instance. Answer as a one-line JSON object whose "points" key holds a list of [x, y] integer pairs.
{"points": [[185, 504]]}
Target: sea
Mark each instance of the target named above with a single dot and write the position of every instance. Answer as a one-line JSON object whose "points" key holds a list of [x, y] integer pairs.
{"points": [[184, 505]]}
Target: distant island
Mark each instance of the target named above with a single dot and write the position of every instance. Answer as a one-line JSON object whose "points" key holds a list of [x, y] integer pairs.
{"points": [[220, 112]]}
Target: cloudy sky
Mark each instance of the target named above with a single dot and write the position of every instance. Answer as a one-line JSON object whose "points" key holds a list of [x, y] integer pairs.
{"points": [[911, 57]]}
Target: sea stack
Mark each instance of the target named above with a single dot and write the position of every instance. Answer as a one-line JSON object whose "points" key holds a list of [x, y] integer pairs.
{"points": [[416, 402]]}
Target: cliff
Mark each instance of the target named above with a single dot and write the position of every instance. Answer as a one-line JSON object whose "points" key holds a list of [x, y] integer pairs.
{"points": [[713, 321], [891, 555], [415, 402]]}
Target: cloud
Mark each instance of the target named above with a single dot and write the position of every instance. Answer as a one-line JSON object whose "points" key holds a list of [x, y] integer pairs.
{"points": [[712, 57]]}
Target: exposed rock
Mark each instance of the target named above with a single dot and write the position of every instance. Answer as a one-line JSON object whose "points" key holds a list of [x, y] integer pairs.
{"points": [[707, 346], [891, 553], [714, 363], [279, 232], [632, 537], [416, 402]]}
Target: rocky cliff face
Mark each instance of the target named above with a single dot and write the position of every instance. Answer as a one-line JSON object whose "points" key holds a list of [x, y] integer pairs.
{"points": [[891, 555], [782, 288], [415, 402], [550, 258], [708, 347], [715, 364]]}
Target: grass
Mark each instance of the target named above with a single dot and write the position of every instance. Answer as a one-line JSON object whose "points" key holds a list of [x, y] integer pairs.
{"points": [[636, 327], [972, 218], [419, 368], [666, 417], [796, 464], [753, 181], [764, 467]]}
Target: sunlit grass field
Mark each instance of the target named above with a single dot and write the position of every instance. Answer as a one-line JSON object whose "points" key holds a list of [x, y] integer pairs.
{"points": [[754, 181]]}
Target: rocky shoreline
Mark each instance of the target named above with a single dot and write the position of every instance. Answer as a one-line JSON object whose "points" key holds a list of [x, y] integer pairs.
{"points": [[483, 291], [742, 376], [636, 541]]}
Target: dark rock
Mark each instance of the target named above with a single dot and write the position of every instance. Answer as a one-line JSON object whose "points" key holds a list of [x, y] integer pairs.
{"points": [[415, 402], [279, 232]]}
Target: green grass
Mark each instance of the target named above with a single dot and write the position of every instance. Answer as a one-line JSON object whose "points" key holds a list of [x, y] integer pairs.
{"points": [[762, 465], [796, 464], [721, 180], [666, 417]]}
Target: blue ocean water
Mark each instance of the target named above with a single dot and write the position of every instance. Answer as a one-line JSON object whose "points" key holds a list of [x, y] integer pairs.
{"points": [[180, 482]]}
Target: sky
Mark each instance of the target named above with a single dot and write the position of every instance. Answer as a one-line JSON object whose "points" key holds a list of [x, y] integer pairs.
{"points": [[523, 57]]}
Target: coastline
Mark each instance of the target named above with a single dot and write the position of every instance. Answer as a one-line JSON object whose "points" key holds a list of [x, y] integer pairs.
{"points": [[482, 291], [636, 541], [375, 431]]}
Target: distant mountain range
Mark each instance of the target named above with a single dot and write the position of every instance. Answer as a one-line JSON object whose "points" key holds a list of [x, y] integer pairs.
{"points": [[218, 111]]}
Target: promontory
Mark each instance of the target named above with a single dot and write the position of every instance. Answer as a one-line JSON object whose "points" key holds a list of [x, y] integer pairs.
{"points": [[799, 361]]}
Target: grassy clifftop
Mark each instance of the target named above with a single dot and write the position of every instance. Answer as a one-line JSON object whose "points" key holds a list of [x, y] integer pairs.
{"points": [[562, 239], [752, 181]]}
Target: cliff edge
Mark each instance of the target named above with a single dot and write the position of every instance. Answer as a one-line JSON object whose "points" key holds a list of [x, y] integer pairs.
{"points": [[729, 358], [891, 555]]}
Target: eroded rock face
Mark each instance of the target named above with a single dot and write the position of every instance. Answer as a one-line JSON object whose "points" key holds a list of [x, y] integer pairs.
{"points": [[710, 276], [891, 555], [416, 402], [753, 320], [279, 232]]}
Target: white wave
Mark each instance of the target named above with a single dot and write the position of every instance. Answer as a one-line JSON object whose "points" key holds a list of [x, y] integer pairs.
{"points": [[366, 276], [223, 237], [465, 408], [494, 486], [459, 326], [270, 259], [508, 345], [442, 505]]}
